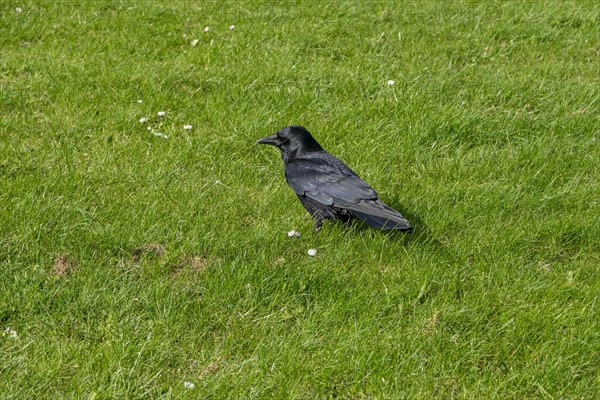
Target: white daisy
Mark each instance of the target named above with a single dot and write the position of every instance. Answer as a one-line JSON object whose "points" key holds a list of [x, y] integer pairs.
{"points": [[188, 385], [9, 332]]}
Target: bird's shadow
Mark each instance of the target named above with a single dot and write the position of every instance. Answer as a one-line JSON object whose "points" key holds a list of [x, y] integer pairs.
{"points": [[421, 233], [420, 230]]}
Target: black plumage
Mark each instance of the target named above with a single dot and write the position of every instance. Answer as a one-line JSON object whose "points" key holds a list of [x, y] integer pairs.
{"points": [[327, 187]]}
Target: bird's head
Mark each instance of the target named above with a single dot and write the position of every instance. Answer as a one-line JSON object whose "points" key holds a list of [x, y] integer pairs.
{"points": [[292, 140]]}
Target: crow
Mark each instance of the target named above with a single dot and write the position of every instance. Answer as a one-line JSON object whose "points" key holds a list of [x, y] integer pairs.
{"points": [[327, 187]]}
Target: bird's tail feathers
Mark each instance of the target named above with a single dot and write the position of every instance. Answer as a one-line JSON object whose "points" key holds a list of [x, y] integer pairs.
{"points": [[379, 215]]}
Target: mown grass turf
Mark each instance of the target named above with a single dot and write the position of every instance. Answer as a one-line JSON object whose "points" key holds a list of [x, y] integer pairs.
{"points": [[132, 263]]}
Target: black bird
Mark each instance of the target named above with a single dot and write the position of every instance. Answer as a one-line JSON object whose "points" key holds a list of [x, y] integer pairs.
{"points": [[327, 187]]}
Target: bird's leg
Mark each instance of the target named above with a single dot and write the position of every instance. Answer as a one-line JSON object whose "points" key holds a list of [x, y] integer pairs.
{"points": [[318, 223]]}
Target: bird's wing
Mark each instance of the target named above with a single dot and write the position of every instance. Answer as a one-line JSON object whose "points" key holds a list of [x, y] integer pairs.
{"points": [[378, 215], [328, 181]]}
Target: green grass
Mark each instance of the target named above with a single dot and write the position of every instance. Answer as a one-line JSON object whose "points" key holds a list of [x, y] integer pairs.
{"points": [[488, 142]]}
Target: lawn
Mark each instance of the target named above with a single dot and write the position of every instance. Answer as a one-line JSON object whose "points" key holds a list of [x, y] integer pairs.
{"points": [[141, 259]]}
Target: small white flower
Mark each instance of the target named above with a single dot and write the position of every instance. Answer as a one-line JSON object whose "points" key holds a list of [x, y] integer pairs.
{"points": [[291, 233], [18, 10], [149, 128], [188, 385], [9, 332], [140, 101], [206, 29], [142, 120], [161, 113], [160, 135], [194, 42], [297, 234], [391, 82], [187, 127], [232, 27], [312, 252]]}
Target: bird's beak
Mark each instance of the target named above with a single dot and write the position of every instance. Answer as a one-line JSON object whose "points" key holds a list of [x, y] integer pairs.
{"points": [[272, 140]]}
